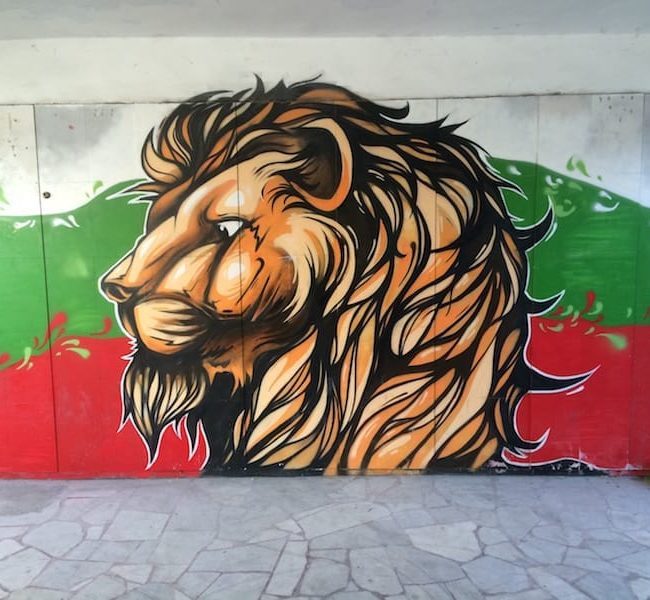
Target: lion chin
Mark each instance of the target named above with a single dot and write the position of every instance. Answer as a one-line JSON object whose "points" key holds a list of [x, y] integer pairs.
{"points": [[176, 363], [321, 285], [158, 395]]}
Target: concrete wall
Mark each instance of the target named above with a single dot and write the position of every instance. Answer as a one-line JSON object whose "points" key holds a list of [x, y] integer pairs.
{"points": [[171, 69], [73, 119]]}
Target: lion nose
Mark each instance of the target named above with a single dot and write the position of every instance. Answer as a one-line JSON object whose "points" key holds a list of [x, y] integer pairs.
{"points": [[114, 283], [117, 292]]}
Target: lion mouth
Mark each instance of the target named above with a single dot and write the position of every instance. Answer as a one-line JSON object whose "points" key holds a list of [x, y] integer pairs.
{"points": [[168, 325]]}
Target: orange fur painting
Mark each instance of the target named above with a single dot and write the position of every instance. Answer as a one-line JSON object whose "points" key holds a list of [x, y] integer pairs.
{"points": [[321, 285]]}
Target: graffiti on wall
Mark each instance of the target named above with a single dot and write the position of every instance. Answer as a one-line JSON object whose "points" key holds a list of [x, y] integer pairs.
{"points": [[321, 285], [307, 280]]}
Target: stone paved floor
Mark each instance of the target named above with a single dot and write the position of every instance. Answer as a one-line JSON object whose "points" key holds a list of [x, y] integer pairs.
{"points": [[444, 537]]}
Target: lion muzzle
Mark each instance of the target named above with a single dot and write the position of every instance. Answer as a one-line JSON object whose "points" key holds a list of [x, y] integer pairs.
{"points": [[168, 325]]}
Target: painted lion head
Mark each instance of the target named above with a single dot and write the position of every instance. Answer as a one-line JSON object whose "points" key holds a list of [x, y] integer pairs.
{"points": [[321, 285]]}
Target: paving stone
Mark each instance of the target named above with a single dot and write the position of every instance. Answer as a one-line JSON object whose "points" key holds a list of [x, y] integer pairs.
{"points": [[536, 594], [505, 551], [101, 514], [19, 570], [638, 563], [610, 550], [270, 535], [491, 535], [413, 518], [94, 532], [83, 550], [289, 525], [32, 593], [240, 558], [289, 569], [12, 532], [372, 570], [276, 545], [557, 587], [323, 577], [566, 572], [455, 540], [354, 595], [558, 534], [8, 547], [530, 525], [195, 583], [426, 592], [629, 521], [606, 535], [113, 551], [640, 536], [67, 574], [464, 589], [73, 508], [136, 525], [589, 561], [339, 516], [195, 517], [29, 517], [337, 555], [362, 536], [599, 585], [416, 566], [450, 514], [55, 537], [516, 521], [134, 594], [584, 519], [244, 524], [390, 532], [236, 586], [143, 551], [180, 547], [160, 591], [434, 500], [641, 588], [493, 576], [135, 573], [167, 573], [218, 544], [103, 587], [542, 551]]}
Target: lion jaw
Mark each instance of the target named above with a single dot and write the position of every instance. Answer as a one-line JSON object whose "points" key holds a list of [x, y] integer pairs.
{"points": [[169, 326]]}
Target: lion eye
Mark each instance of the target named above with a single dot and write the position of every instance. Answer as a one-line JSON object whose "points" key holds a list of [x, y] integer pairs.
{"points": [[229, 227]]}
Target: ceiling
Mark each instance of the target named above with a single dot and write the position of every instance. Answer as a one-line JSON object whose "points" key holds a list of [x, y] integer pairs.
{"points": [[26, 19]]}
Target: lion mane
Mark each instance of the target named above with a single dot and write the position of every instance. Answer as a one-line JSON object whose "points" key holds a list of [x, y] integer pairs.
{"points": [[404, 344]]}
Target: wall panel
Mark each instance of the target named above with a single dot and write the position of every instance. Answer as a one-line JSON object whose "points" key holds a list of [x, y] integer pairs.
{"points": [[409, 285]]}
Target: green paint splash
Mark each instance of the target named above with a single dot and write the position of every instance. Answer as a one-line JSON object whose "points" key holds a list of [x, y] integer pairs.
{"points": [[618, 341], [576, 164]]}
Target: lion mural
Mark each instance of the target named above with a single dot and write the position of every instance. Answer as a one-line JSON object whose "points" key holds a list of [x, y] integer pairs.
{"points": [[322, 285]]}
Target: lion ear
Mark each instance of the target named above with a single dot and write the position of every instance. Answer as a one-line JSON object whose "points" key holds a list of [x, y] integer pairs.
{"points": [[324, 174]]}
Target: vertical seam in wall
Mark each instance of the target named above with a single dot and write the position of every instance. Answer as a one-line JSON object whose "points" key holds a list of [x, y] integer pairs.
{"points": [[244, 387], [435, 278], [530, 283], [632, 422], [47, 292]]}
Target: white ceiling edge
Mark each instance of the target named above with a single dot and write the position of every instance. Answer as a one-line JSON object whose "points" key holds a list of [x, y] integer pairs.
{"points": [[27, 19], [104, 70]]}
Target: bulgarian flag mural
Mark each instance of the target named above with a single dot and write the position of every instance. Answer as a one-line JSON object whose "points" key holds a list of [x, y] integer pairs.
{"points": [[60, 338]]}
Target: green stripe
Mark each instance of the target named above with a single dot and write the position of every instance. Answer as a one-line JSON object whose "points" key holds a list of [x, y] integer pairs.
{"points": [[601, 244]]}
